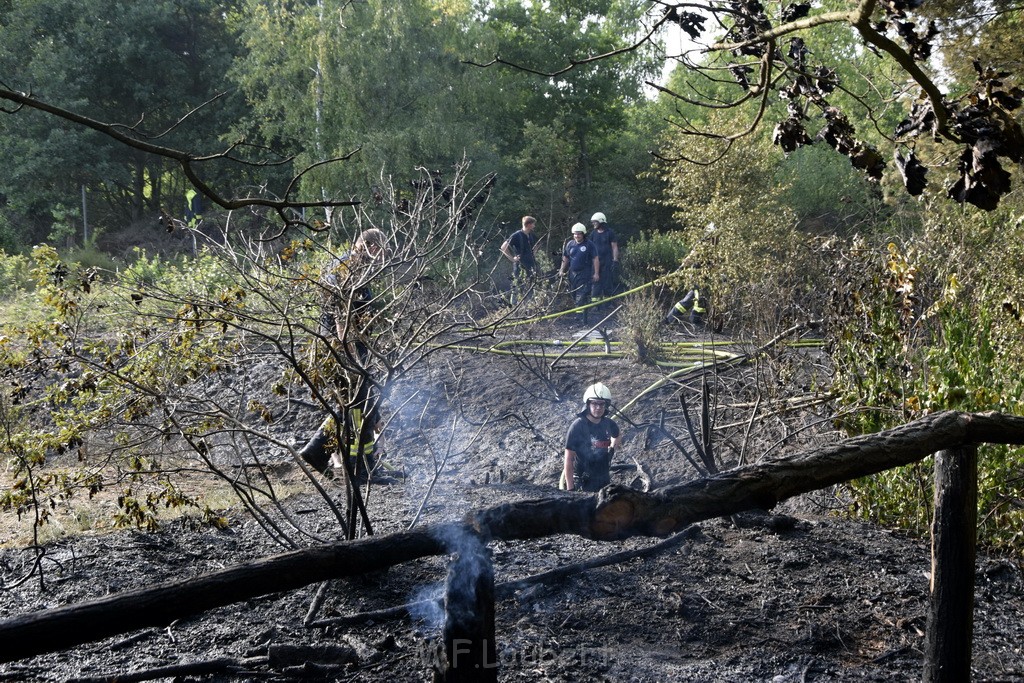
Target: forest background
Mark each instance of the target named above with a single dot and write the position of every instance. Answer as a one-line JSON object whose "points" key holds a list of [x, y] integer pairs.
{"points": [[320, 118]]}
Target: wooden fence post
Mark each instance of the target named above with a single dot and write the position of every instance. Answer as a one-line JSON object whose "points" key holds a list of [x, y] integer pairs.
{"points": [[954, 533]]}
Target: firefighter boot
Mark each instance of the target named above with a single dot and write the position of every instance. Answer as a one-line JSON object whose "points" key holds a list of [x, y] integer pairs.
{"points": [[315, 451]]}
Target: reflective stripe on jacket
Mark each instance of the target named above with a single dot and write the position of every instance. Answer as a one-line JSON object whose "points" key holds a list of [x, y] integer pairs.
{"points": [[697, 308]]}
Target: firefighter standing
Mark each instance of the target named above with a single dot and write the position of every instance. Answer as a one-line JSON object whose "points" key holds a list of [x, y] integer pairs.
{"points": [[518, 249], [579, 260], [590, 443], [607, 244], [345, 316]]}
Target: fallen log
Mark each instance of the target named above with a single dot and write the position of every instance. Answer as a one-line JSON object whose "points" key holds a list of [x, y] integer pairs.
{"points": [[57, 629], [614, 513], [620, 512]]}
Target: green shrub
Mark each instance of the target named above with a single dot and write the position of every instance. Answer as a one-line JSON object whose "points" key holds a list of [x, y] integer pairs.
{"points": [[922, 329], [652, 255], [146, 270], [182, 274], [91, 257], [826, 192], [15, 273]]}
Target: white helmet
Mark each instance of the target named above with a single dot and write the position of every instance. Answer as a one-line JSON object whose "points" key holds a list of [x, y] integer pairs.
{"points": [[597, 392], [599, 217], [579, 227]]}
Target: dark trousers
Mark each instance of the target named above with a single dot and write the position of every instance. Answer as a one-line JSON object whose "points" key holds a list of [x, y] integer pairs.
{"points": [[606, 284], [521, 281], [580, 282]]}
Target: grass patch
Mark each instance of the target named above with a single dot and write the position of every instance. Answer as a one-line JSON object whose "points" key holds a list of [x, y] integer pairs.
{"points": [[83, 514]]}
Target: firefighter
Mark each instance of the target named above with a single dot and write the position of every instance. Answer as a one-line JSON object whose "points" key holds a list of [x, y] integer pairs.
{"points": [[692, 307], [590, 443], [607, 244], [345, 316], [579, 260]]}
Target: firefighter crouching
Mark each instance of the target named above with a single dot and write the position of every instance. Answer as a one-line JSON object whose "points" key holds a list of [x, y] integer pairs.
{"points": [[693, 308]]}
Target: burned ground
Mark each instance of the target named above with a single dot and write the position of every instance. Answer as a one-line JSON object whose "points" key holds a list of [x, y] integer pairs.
{"points": [[796, 594]]}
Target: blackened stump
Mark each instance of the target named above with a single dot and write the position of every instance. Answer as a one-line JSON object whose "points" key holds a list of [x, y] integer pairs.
{"points": [[954, 537], [469, 617]]}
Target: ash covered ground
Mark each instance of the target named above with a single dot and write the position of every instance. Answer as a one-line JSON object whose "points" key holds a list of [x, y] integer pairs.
{"points": [[794, 594]]}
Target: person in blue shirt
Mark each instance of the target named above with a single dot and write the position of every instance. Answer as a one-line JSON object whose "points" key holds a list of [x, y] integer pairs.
{"points": [[579, 260], [607, 244], [518, 249], [590, 443]]}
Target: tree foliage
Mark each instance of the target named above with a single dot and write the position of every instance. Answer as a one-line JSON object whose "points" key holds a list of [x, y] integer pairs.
{"points": [[379, 79], [756, 54], [142, 66]]}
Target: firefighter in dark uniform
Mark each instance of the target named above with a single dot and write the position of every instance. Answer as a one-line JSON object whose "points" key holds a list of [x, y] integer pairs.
{"points": [[579, 260], [345, 315], [692, 307], [590, 443]]}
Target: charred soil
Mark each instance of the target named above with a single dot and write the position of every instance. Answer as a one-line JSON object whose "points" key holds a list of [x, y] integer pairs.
{"points": [[798, 593]]}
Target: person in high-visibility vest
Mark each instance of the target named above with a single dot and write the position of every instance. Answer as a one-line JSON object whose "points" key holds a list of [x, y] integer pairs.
{"points": [[346, 316], [692, 307], [193, 208]]}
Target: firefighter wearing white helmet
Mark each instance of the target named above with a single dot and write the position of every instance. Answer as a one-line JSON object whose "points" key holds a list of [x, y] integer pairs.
{"points": [[579, 260], [607, 244], [590, 443]]}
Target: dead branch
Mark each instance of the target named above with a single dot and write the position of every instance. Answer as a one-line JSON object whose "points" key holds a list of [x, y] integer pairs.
{"points": [[186, 161], [175, 671]]}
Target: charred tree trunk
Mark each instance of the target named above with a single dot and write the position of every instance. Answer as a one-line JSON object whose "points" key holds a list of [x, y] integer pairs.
{"points": [[469, 647], [615, 513], [951, 608]]}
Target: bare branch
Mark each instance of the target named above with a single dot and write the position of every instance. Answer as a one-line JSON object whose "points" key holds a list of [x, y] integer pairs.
{"points": [[186, 161]]}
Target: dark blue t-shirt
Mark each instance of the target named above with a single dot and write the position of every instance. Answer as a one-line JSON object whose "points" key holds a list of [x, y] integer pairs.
{"points": [[580, 254], [521, 245], [603, 243], [591, 442]]}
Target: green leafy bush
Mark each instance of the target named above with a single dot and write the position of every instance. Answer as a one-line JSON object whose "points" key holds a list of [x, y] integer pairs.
{"points": [[15, 273], [653, 255], [91, 257], [923, 328]]}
